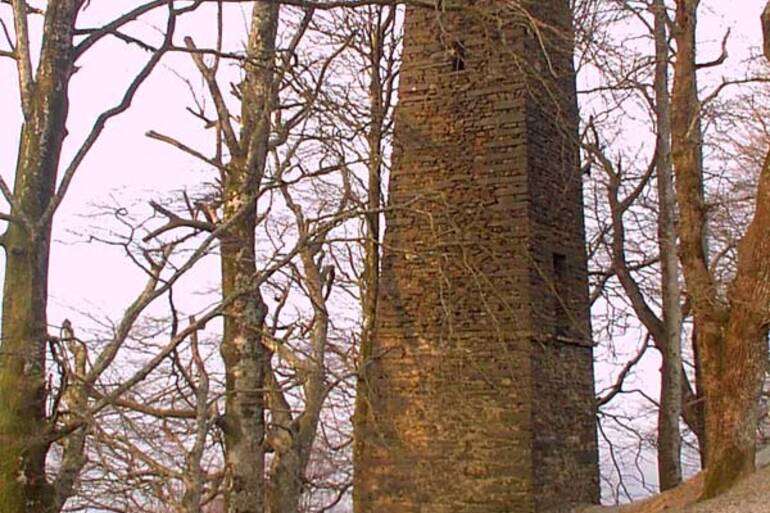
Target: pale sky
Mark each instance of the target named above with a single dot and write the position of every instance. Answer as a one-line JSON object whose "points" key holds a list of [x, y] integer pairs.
{"points": [[126, 165]]}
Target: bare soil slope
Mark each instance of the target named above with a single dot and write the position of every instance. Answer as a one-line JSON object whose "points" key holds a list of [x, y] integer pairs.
{"points": [[750, 496]]}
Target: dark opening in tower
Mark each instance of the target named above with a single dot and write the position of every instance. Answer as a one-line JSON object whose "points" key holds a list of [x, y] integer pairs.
{"points": [[458, 56], [561, 315]]}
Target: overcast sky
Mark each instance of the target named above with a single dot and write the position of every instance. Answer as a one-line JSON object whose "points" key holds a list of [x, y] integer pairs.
{"points": [[127, 166]]}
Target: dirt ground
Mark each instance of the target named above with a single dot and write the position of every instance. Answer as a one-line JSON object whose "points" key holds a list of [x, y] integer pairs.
{"points": [[750, 496]]}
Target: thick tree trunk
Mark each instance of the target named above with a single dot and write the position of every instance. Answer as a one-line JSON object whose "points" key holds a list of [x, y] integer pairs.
{"points": [[669, 437], [23, 426], [242, 350], [737, 356], [709, 313], [732, 404]]}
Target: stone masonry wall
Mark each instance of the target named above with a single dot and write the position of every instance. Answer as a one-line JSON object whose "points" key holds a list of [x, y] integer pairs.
{"points": [[479, 394], [565, 452]]}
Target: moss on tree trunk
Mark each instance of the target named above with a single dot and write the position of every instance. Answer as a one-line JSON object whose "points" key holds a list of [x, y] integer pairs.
{"points": [[24, 433]]}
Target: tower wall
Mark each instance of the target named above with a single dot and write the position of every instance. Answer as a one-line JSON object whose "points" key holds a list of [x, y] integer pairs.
{"points": [[478, 397]]}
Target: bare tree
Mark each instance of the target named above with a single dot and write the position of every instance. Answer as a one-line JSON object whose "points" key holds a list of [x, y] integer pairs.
{"points": [[732, 327], [635, 82], [285, 153], [672, 375], [40, 186]]}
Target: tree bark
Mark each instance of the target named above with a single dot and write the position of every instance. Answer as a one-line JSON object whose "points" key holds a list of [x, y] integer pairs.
{"points": [[75, 400], [732, 330], [669, 436], [24, 439], [244, 356], [371, 274]]}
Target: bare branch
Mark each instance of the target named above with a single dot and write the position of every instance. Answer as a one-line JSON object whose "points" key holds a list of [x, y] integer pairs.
{"points": [[175, 222], [96, 34], [617, 387], [23, 56], [181, 146], [722, 56], [103, 118], [223, 113]]}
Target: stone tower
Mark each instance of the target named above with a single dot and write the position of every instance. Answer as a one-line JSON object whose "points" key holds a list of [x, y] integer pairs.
{"points": [[477, 395]]}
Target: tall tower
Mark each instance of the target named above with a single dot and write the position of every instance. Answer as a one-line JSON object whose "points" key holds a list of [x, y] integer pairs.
{"points": [[477, 396]]}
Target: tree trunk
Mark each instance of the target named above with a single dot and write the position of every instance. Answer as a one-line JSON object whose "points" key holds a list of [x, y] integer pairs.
{"points": [[374, 192], [294, 443], [669, 437], [735, 362], [286, 482], [244, 356], [23, 423], [75, 401], [695, 407], [371, 274], [709, 314], [287, 473], [24, 440], [293, 451], [732, 399]]}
